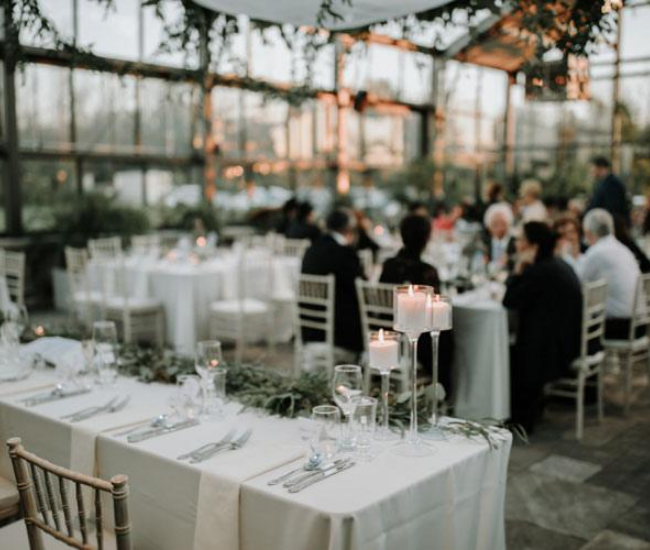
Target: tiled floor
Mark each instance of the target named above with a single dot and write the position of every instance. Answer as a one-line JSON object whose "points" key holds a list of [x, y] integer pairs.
{"points": [[565, 495]]}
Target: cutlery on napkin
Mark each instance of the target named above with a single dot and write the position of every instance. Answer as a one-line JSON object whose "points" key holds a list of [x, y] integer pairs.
{"points": [[155, 432], [320, 476], [197, 452], [54, 395], [236, 443], [112, 406]]}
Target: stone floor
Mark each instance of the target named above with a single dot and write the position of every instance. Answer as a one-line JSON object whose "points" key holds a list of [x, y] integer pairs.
{"points": [[566, 495]]}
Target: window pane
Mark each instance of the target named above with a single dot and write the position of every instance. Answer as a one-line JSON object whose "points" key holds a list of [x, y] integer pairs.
{"points": [[46, 185], [60, 13], [112, 32], [105, 106], [43, 106], [154, 34], [391, 139]]}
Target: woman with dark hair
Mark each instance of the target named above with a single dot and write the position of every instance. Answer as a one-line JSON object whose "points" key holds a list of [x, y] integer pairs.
{"points": [[545, 293], [408, 267], [303, 226]]}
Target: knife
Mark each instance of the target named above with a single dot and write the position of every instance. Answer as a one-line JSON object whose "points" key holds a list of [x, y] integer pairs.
{"points": [[321, 476], [52, 396], [304, 477], [136, 438]]}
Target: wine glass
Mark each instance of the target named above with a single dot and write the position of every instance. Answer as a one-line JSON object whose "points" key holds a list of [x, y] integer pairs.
{"points": [[105, 346], [209, 359], [346, 385]]}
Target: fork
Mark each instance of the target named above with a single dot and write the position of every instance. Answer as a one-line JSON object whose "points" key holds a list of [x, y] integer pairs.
{"points": [[91, 410], [232, 446], [197, 452]]}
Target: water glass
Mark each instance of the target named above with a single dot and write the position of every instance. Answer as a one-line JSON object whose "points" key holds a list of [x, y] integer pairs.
{"points": [[105, 346], [189, 396], [364, 419], [327, 420], [18, 315], [346, 385]]}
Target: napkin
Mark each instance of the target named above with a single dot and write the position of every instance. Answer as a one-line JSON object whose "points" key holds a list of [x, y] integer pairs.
{"points": [[57, 351]]}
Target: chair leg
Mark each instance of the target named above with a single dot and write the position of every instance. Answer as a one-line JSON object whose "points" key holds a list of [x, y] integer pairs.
{"points": [[599, 379], [580, 406], [627, 366], [160, 329]]}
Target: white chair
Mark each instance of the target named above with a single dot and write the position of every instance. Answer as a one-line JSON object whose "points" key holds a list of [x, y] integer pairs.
{"points": [[295, 248], [145, 244], [367, 262], [84, 301], [587, 366], [376, 311], [12, 269], [139, 318], [109, 247], [247, 317], [314, 310], [634, 348]]}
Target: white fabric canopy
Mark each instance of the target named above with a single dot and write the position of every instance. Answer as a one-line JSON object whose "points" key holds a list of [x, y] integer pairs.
{"points": [[303, 12]]}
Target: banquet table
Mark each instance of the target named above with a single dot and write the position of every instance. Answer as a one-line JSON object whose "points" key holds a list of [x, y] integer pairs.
{"points": [[453, 499], [186, 289], [481, 357]]}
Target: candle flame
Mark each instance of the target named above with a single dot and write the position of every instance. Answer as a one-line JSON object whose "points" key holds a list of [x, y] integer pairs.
{"points": [[381, 334], [411, 293]]}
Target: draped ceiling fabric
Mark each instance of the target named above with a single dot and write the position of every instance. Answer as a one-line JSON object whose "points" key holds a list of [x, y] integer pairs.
{"points": [[303, 12]]}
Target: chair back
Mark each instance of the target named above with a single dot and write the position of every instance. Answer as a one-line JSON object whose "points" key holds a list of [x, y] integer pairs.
{"points": [[145, 244], [375, 306], [314, 311], [594, 298], [295, 248], [76, 265], [12, 268], [46, 491], [641, 313], [107, 248]]}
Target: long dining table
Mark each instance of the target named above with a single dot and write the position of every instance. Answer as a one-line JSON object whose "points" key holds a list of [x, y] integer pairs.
{"points": [[453, 499]]}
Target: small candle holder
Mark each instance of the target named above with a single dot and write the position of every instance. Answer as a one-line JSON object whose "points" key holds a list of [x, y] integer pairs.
{"points": [[383, 351], [440, 315], [410, 317]]}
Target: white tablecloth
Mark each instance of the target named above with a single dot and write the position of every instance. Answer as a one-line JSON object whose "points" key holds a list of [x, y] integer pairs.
{"points": [[481, 358], [452, 500], [187, 289]]}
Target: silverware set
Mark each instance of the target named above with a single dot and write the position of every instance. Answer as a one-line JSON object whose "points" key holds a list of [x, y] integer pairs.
{"points": [[56, 394], [162, 430], [301, 478], [230, 442], [114, 405]]}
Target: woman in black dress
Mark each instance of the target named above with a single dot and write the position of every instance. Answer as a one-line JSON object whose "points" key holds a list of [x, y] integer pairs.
{"points": [[545, 293]]}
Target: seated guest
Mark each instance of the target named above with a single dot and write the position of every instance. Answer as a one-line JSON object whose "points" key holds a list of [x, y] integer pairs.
{"points": [[418, 208], [287, 215], [407, 267], [546, 294], [623, 234], [609, 259], [364, 231], [303, 226], [333, 253], [498, 239], [533, 208], [569, 244]]}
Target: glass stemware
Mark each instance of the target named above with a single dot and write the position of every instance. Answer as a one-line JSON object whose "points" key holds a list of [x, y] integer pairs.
{"points": [[346, 385], [410, 317], [106, 355], [383, 352], [364, 417], [18, 315], [209, 366]]}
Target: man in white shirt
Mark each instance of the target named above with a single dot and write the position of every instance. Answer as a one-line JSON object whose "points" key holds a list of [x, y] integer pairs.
{"points": [[609, 259]]}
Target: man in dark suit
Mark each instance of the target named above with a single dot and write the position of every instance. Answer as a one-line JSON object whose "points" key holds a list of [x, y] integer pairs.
{"points": [[609, 193], [303, 226], [333, 254]]}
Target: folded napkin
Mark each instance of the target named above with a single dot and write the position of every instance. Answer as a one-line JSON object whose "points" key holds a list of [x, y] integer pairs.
{"points": [[56, 350], [270, 447]]}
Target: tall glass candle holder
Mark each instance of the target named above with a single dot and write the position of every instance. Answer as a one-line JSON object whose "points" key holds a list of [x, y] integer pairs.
{"points": [[410, 318], [383, 351], [440, 315]]}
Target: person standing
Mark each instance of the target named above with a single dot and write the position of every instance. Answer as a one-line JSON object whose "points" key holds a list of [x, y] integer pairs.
{"points": [[609, 193]]}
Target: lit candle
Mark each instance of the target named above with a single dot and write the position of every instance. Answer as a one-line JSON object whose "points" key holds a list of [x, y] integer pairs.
{"points": [[439, 313], [201, 241], [411, 311], [383, 353]]}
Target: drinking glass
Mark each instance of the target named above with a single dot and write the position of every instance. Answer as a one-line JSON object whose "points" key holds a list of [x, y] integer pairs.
{"points": [[364, 418], [327, 420], [209, 366], [189, 396], [105, 346], [346, 384], [18, 315]]}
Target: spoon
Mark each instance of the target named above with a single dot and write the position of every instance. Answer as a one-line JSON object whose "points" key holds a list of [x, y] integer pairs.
{"points": [[313, 462]]}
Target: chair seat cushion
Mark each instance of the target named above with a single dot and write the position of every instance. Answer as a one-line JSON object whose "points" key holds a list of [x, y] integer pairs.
{"points": [[14, 537], [249, 306], [639, 344], [135, 304], [92, 297], [8, 494], [590, 361]]}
